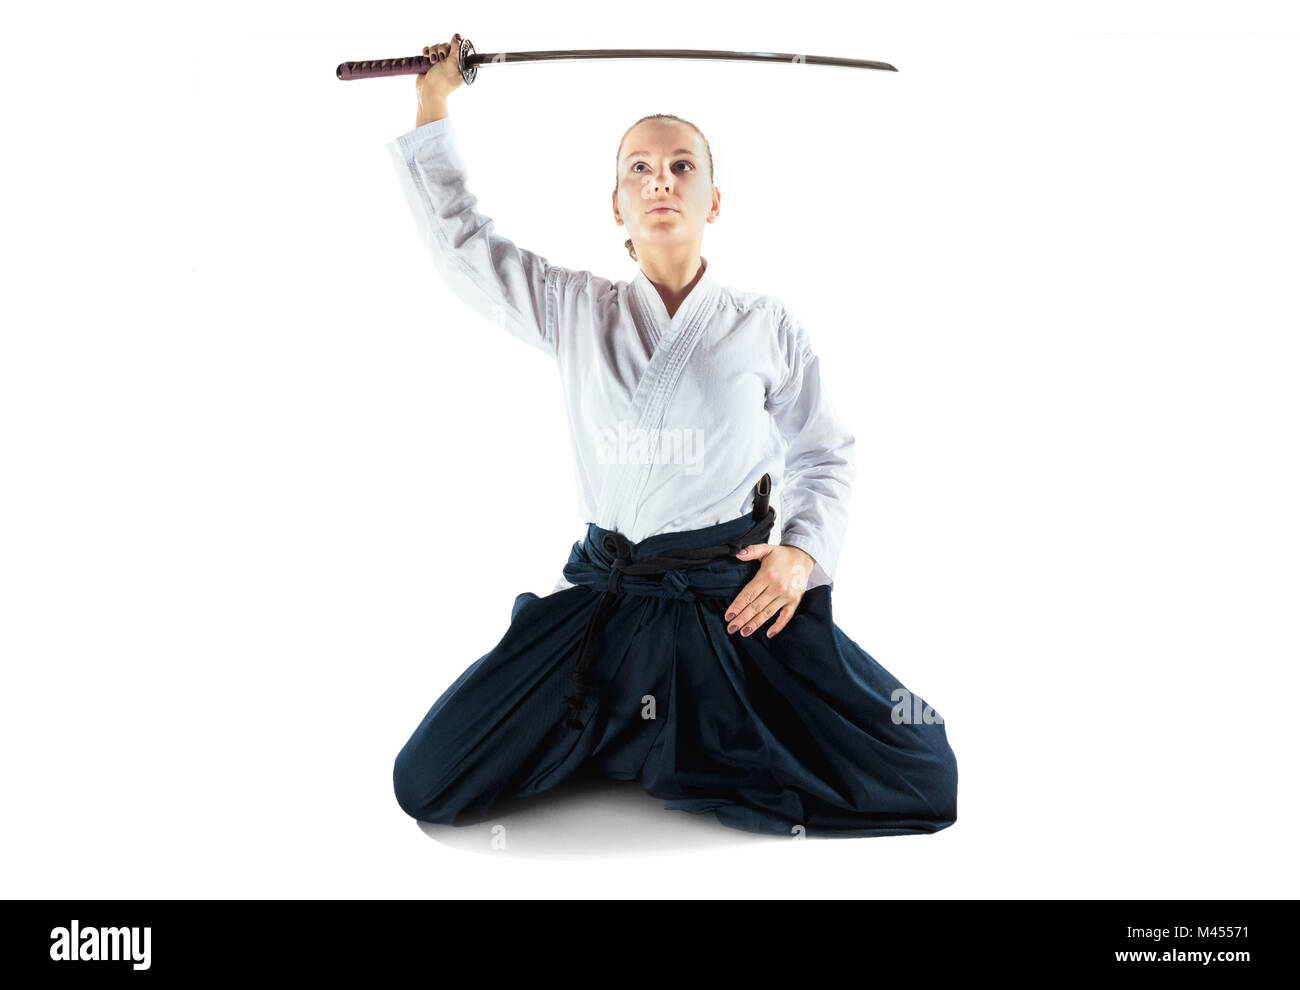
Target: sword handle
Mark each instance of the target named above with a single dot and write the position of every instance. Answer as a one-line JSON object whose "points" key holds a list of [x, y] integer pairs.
{"points": [[415, 65]]}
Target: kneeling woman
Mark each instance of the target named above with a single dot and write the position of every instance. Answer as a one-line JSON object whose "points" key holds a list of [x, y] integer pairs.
{"points": [[680, 648]]}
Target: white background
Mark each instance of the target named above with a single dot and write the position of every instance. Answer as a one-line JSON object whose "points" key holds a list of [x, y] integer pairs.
{"points": [[268, 487]]}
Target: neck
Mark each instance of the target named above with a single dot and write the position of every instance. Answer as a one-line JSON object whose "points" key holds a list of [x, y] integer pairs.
{"points": [[674, 278]]}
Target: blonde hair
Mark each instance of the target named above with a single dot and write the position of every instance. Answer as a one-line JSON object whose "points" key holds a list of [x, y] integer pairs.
{"points": [[658, 116]]}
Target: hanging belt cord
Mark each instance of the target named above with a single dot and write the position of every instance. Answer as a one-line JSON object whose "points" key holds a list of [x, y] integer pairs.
{"points": [[618, 547]]}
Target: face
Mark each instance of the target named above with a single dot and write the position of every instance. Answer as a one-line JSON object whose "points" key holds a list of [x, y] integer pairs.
{"points": [[665, 193]]}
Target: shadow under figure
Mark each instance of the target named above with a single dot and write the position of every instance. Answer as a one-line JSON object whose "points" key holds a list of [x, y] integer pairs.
{"points": [[632, 674]]}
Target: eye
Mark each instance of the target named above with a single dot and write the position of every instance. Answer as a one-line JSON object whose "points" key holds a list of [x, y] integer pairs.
{"points": [[682, 162]]}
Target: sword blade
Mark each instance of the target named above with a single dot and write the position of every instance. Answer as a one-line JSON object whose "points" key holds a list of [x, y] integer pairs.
{"points": [[470, 60], [794, 58]]}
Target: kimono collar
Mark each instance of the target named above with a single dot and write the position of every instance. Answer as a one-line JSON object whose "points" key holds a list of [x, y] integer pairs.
{"points": [[652, 303]]}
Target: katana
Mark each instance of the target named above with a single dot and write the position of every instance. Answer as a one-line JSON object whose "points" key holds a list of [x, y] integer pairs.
{"points": [[470, 60]]}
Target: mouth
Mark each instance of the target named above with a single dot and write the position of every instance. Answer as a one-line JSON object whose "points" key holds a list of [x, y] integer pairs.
{"points": [[662, 209]]}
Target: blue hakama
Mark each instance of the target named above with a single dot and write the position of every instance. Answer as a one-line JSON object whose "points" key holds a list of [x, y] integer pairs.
{"points": [[634, 676]]}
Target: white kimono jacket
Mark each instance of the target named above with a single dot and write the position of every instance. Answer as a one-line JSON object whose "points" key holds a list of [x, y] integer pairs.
{"points": [[672, 421]]}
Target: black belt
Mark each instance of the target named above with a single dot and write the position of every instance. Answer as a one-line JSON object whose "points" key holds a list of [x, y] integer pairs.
{"points": [[619, 548]]}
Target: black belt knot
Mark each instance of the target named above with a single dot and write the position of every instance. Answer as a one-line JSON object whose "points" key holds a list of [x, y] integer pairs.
{"points": [[620, 550], [618, 547]]}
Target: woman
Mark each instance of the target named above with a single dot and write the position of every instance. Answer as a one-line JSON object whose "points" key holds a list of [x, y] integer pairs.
{"points": [[680, 649]]}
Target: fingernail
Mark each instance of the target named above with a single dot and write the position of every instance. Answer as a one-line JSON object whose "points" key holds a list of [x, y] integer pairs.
{"points": [[731, 628], [747, 630], [730, 616]]}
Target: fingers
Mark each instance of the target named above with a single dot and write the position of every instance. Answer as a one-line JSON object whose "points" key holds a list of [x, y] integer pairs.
{"points": [[767, 608], [439, 53], [762, 605], [740, 606], [779, 624]]}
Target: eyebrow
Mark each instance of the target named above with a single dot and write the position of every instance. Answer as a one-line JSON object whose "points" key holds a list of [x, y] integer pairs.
{"points": [[679, 151]]}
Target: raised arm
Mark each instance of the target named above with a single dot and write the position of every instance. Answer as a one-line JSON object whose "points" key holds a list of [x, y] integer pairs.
{"points": [[514, 288], [819, 464]]}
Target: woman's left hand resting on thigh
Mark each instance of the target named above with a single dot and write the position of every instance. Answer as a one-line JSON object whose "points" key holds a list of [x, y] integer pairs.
{"points": [[779, 584]]}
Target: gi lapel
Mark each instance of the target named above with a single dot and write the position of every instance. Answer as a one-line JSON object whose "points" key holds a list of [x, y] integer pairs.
{"points": [[673, 340]]}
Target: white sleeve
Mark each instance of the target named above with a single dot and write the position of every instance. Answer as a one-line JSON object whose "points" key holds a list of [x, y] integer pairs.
{"points": [[819, 465], [516, 289]]}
